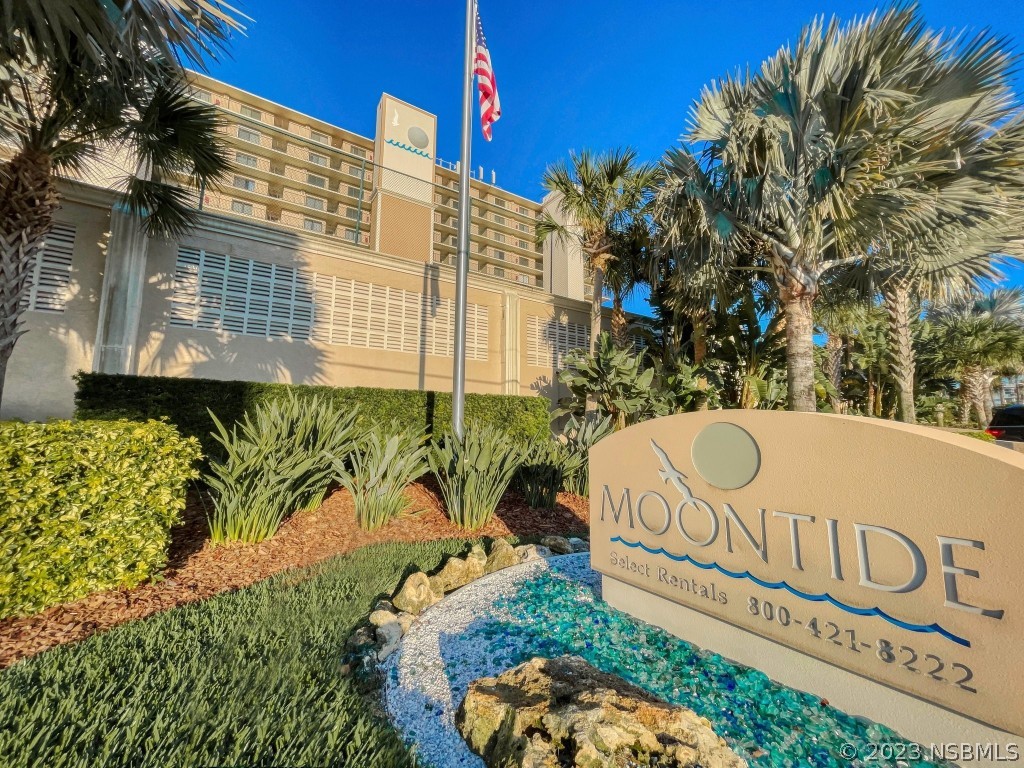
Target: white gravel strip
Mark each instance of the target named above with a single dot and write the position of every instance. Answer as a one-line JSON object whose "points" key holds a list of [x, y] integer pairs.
{"points": [[442, 653]]}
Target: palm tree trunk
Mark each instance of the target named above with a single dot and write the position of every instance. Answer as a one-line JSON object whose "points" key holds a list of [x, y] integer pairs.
{"points": [[989, 404], [28, 199], [798, 306], [699, 337], [901, 345], [834, 368], [619, 323], [973, 385], [595, 327]]}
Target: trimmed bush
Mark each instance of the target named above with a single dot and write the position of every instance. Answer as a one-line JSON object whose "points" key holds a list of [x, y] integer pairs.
{"points": [[474, 473], [378, 471], [86, 506], [278, 459], [187, 403]]}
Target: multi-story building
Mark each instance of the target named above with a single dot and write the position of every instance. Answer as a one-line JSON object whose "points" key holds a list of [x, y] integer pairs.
{"points": [[324, 257]]}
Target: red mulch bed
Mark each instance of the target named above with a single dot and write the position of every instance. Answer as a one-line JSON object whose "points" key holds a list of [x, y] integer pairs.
{"points": [[197, 570]]}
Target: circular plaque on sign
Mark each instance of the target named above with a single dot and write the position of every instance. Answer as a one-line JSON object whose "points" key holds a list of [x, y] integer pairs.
{"points": [[726, 456], [418, 137]]}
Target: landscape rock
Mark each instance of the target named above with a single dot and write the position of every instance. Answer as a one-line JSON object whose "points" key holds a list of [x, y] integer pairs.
{"points": [[379, 618], [476, 562], [361, 637], [415, 594], [455, 574], [528, 552], [405, 621], [502, 556], [557, 544], [579, 545], [550, 713], [389, 637], [384, 605]]}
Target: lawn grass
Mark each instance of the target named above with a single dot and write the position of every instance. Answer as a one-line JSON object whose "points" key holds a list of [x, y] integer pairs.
{"points": [[251, 678]]}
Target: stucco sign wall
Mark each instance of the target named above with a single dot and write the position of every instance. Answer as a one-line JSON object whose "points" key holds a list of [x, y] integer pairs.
{"points": [[887, 550]]}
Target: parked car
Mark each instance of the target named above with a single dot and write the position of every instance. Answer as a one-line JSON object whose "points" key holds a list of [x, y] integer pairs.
{"points": [[1008, 423]]}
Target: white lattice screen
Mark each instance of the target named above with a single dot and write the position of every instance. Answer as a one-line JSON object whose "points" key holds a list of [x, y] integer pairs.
{"points": [[51, 272], [548, 341], [216, 292]]}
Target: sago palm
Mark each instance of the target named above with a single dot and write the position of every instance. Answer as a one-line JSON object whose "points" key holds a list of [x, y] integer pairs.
{"points": [[64, 114], [600, 198], [872, 130]]}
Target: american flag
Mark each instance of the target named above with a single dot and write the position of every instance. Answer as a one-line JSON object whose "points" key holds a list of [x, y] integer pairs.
{"points": [[490, 105]]}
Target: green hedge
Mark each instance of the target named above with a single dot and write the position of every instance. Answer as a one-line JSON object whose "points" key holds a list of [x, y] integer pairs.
{"points": [[86, 506], [185, 402]]}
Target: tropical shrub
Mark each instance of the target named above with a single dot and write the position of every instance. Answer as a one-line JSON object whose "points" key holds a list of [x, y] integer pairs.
{"points": [[280, 458], [190, 404], [580, 435], [86, 506], [614, 378], [474, 472], [378, 471], [542, 472]]}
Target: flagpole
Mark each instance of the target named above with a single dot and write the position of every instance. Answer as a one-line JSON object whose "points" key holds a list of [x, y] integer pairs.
{"points": [[462, 258]]}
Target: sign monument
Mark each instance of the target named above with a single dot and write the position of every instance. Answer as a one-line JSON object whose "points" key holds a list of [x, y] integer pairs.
{"points": [[872, 563]]}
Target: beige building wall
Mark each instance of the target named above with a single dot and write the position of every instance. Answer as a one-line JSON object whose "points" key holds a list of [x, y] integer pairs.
{"points": [[321, 206], [57, 344]]}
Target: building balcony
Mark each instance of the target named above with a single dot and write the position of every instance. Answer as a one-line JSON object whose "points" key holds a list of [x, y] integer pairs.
{"points": [[252, 205], [483, 267]]}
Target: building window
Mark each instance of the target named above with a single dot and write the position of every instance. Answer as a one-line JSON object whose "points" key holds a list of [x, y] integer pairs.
{"points": [[499, 255], [454, 185], [352, 213], [499, 271], [200, 95], [316, 181], [243, 183], [243, 159], [356, 171], [523, 227], [248, 134], [315, 202], [248, 111], [499, 237], [350, 235], [523, 279], [523, 244], [319, 138], [523, 261], [313, 225], [357, 151], [318, 159], [499, 202], [353, 191], [499, 219], [242, 207]]}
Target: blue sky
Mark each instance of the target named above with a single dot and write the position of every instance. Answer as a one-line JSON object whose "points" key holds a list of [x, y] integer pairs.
{"points": [[571, 75]]}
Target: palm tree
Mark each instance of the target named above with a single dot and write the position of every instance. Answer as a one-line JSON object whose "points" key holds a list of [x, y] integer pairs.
{"points": [[61, 113], [975, 337], [54, 30], [876, 129], [600, 198], [624, 273]]}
